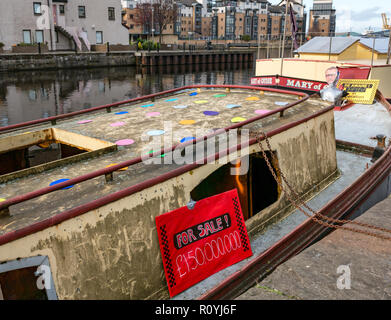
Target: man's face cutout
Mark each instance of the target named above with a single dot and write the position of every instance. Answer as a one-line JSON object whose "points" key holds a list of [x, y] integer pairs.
{"points": [[332, 76]]}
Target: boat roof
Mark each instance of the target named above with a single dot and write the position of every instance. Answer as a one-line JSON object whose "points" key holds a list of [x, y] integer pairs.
{"points": [[206, 109]]}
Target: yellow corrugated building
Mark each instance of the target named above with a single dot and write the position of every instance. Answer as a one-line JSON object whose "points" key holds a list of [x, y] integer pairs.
{"points": [[343, 49]]}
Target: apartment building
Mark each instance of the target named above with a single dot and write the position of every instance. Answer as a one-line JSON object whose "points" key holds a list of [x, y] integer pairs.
{"points": [[226, 19], [62, 24], [322, 19]]}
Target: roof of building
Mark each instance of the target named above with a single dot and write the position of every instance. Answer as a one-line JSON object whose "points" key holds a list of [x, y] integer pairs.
{"points": [[322, 45], [381, 44], [340, 44], [189, 3]]}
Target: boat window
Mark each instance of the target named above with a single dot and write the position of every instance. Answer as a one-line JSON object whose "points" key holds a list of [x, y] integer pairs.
{"points": [[27, 279], [257, 189]]}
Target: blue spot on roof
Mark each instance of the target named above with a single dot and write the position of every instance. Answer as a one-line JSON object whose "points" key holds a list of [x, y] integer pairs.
{"points": [[187, 139], [59, 181]]}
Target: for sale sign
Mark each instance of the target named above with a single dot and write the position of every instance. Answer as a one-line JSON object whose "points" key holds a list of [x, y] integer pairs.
{"points": [[196, 243]]}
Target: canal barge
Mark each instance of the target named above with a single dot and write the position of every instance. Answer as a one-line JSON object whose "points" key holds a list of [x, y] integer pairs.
{"points": [[87, 216]]}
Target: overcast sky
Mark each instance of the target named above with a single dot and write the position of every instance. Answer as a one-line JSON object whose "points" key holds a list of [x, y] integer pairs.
{"points": [[358, 15]]}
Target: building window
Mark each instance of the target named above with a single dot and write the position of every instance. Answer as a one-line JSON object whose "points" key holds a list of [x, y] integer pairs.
{"points": [[111, 13], [62, 9], [99, 37], [37, 7], [26, 36], [82, 11], [39, 36]]}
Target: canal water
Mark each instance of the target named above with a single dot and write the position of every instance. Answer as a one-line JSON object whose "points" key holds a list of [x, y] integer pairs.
{"points": [[26, 96]]}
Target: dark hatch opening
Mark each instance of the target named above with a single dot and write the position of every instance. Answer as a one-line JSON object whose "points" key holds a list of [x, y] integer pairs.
{"points": [[32, 156], [21, 284], [257, 188]]}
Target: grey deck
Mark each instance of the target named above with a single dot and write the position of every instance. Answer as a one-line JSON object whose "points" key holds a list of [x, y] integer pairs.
{"points": [[313, 274], [350, 165]]}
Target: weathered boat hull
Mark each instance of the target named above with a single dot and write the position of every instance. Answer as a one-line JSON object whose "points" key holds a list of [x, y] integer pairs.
{"points": [[108, 248]]}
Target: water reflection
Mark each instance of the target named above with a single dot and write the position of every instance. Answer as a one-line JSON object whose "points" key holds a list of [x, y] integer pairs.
{"points": [[26, 96]]}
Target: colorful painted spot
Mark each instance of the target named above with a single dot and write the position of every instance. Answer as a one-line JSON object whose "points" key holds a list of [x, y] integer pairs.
{"points": [[252, 99], [161, 156], [220, 95], [171, 100], [262, 111], [84, 121], [232, 106], [210, 113], [281, 103], [124, 142], [180, 107], [187, 139], [59, 181], [237, 119], [117, 124], [156, 132], [2, 199], [193, 94], [114, 164], [201, 101], [153, 114], [147, 105], [185, 122], [121, 112]]}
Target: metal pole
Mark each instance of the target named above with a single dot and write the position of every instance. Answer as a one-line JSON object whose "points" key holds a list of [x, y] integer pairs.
{"points": [[283, 39], [153, 27], [268, 44], [279, 48], [373, 50], [389, 48]]}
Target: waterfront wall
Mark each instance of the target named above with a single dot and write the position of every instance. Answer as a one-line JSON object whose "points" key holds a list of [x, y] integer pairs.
{"points": [[68, 60], [20, 62], [113, 252]]}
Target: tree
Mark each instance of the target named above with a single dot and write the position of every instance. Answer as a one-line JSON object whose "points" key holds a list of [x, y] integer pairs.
{"points": [[165, 12]]}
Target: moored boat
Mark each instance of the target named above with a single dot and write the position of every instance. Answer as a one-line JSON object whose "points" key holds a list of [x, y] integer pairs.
{"points": [[89, 215]]}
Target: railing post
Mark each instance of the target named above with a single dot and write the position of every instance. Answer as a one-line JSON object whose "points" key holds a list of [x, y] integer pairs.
{"points": [[4, 212]]}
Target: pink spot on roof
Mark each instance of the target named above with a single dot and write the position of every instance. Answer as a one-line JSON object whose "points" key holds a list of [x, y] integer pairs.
{"points": [[124, 142], [84, 121], [262, 111], [117, 124], [153, 114]]}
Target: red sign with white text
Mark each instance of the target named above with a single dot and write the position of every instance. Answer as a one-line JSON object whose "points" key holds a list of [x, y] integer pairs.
{"points": [[301, 84], [200, 242]]}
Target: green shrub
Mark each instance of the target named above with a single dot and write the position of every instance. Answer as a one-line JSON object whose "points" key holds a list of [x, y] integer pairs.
{"points": [[246, 37], [2, 44], [22, 44]]}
